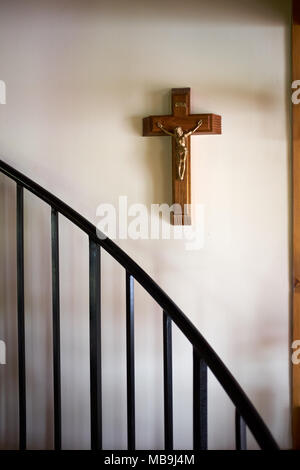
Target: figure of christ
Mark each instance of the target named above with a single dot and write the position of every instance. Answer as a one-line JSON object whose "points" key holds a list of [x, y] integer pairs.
{"points": [[181, 149]]}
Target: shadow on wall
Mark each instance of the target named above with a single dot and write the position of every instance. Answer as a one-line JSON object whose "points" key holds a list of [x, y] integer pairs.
{"points": [[246, 12], [8, 316]]}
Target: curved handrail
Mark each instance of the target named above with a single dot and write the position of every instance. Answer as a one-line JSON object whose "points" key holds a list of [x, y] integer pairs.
{"points": [[240, 400]]}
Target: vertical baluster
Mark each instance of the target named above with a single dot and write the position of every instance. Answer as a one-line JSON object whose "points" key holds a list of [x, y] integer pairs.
{"points": [[21, 319], [199, 402], [95, 346], [168, 382], [240, 432], [130, 361], [56, 329]]}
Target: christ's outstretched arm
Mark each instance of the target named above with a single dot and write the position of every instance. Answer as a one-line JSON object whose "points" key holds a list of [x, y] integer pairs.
{"points": [[194, 130], [159, 124]]}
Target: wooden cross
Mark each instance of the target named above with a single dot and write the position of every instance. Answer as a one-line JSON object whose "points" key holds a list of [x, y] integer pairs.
{"points": [[181, 118]]}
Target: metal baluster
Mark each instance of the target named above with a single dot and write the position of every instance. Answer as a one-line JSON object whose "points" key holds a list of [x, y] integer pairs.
{"points": [[21, 319], [95, 346], [199, 402], [130, 361], [56, 329], [168, 381], [240, 432]]}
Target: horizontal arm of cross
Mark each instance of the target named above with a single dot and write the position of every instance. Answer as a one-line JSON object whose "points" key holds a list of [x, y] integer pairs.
{"points": [[211, 124]]}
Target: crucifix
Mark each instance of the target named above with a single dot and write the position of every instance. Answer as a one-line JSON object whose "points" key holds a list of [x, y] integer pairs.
{"points": [[180, 125]]}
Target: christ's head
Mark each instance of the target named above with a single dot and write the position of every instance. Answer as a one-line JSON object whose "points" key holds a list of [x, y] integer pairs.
{"points": [[178, 131]]}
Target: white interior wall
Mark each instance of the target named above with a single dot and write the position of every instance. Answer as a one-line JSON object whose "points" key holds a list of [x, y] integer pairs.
{"points": [[80, 77]]}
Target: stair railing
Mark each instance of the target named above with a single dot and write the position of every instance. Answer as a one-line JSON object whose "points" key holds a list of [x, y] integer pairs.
{"points": [[203, 355]]}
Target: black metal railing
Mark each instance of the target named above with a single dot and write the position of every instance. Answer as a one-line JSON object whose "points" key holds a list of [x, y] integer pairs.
{"points": [[203, 355]]}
